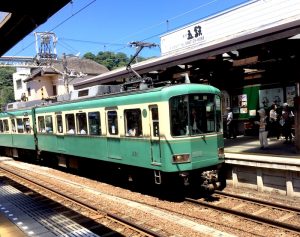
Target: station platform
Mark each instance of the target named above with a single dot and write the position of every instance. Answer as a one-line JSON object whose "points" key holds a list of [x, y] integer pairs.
{"points": [[250, 145], [275, 169], [9, 229], [20, 215]]}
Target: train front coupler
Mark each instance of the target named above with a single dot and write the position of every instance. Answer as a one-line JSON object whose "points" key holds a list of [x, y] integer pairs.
{"points": [[210, 180]]}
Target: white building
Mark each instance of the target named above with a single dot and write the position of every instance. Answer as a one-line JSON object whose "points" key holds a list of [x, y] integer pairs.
{"points": [[48, 82], [18, 81]]}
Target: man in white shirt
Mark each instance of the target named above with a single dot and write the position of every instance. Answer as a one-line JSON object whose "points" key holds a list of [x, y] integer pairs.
{"points": [[230, 124]]}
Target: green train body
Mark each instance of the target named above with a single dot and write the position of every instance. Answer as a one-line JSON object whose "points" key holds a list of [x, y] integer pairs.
{"points": [[169, 131]]}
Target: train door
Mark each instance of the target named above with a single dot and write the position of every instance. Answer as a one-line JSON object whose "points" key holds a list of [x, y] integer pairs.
{"points": [[113, 138], [60, 133], [154, 137]]}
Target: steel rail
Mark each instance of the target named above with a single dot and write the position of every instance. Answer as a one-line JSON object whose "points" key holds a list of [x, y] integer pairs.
{"points": [[259, 201], [247, 216], [74, 199]]}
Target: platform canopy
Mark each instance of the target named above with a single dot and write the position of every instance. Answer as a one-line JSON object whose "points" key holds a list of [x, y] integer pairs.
{"points": [[19, 18]]}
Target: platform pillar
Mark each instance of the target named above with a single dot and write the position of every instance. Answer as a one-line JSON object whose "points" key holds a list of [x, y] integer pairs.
{"points": [[260, 183], [235, 180], [289, 184]]}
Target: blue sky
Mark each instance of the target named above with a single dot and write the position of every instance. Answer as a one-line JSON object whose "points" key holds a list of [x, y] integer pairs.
{"points": [[93, 25]]}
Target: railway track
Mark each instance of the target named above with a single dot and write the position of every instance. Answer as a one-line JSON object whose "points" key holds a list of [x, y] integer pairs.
{"points": [[267, 213], [186, 211], [114, 222]]}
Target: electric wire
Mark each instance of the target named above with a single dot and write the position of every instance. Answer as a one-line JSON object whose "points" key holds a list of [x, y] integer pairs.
{"points": [[113, 43]]}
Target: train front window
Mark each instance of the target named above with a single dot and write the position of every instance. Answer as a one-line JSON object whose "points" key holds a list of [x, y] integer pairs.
{"points": [[196, 114]]}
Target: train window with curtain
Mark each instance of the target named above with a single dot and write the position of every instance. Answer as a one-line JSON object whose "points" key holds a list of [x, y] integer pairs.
{"points": [[94, 123], [70, 123], [1, 126], [27, 127], [59, 124], [81, 123], [13, 126], [20, 126], [133, 122], [112, 122], [41, 124], [49, 124], [5, 125]]}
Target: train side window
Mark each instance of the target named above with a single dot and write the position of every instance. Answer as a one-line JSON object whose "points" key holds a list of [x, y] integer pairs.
{"points": [[41, 124], [70, 123], [94, 123], [20, 127], [81, 123], [5, 125], [112, 122], [1, 126], [133, 122], [13, 125], [49, 124], [27, 127], [59, 124], [155, 121]]}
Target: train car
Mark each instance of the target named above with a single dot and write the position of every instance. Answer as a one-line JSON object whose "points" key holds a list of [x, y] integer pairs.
{"points": [[173, 133], [17, 133]]}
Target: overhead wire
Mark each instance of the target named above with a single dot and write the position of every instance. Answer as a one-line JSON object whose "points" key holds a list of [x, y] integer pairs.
{"points": [[130, 35]]}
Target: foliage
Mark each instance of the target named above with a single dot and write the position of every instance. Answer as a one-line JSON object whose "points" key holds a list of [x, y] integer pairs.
{"points": [[6, 85], [110, 59]]}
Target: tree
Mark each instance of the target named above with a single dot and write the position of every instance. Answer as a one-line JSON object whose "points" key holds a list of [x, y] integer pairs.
{"points": [[6, 85], [110, 59]]}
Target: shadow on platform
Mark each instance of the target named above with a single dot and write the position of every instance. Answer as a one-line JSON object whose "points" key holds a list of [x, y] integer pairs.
{"points": [[251, 145]]}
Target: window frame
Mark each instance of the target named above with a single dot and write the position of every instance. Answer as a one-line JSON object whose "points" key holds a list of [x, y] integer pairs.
{"points": [[98, 125], [133, 126]]}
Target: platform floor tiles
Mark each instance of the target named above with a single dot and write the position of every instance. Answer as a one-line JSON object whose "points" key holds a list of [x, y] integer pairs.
{"points": [[33, 218]]}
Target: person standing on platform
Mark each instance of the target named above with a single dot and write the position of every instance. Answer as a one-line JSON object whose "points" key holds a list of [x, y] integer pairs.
{"points": [[263, 128], [230, 124], [287, 122], [274, 123]]}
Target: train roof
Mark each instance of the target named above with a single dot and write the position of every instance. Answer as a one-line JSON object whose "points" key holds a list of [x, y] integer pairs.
{"points": [[152, 95]]}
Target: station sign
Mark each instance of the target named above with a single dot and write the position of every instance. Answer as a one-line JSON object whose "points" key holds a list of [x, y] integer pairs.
{"points": [[245, 19]]}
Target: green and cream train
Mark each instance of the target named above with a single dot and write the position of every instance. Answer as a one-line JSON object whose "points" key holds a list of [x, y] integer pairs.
{"points": [[174, 133]]}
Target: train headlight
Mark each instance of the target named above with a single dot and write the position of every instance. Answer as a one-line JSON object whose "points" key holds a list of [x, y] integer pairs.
{"points": [[221, 153], [181, 158]]}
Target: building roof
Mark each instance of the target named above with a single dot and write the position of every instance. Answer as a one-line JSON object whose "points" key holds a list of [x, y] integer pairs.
{"points": [[74, 65], [23, 17]]}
